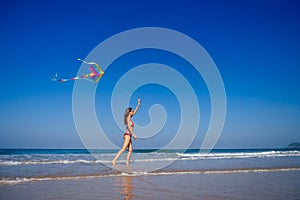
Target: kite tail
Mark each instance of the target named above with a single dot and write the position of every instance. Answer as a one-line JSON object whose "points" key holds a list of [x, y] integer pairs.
{"points": [[55, 77]]}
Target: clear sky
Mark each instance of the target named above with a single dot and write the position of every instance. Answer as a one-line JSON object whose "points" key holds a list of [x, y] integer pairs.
{"points": [[255, 45]]}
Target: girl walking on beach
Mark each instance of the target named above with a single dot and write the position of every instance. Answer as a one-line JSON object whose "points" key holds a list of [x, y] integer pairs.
{"points": [[128, 134]]}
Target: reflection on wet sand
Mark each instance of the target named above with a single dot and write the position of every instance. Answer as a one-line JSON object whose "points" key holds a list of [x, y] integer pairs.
{"points": [[127, 187], [125, 184]]}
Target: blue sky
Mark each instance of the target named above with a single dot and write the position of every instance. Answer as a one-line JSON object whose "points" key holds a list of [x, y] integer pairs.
{"points": [[255, 45]]}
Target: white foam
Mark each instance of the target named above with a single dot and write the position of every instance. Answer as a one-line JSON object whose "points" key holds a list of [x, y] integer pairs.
{"points": [[20, 180], [47, 162], [191, 156], [144, 157]]}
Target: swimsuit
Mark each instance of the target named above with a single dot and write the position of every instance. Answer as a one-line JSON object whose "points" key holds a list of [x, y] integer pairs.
{"points": [[126, 134]]}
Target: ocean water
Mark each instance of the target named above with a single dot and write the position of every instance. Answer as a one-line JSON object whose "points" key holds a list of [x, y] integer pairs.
{"points": [[21, 166]]}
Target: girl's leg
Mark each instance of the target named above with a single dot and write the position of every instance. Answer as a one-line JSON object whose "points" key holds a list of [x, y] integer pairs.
{"points": [[129, 152], [125, 144]]}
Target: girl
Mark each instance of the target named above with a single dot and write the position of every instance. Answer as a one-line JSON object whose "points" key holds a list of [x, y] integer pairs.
{"points": [[129, 112]]}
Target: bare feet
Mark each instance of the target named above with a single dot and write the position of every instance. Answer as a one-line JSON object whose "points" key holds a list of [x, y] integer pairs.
{"points": [[113, 162]]}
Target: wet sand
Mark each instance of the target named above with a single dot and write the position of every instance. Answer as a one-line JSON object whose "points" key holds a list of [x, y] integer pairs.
{"points": [[250, 185]]}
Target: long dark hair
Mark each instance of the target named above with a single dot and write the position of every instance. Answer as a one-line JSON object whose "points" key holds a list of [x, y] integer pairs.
{"points": [[126, 114]]}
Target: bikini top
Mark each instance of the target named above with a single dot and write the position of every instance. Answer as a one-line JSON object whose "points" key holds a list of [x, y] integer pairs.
{"points": [[132, 124]]}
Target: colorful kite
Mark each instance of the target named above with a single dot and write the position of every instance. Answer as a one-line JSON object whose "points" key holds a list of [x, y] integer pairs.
{"points": [[95, 75]]}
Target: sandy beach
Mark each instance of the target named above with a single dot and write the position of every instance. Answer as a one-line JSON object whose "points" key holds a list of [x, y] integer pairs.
{"points": [[238, 185]]}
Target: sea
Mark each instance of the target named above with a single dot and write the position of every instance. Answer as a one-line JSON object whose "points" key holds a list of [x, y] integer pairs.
{"points": [[21, 166]]}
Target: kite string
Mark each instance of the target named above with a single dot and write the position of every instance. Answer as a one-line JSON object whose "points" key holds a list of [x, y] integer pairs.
{"points": [[121, 89]]}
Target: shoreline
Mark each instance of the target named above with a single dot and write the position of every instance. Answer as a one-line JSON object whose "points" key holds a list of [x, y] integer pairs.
{"points": [[276, 184], [24, 180]]}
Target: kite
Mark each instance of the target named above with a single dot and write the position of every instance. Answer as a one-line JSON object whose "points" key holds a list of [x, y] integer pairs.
{"points": [[95, 75]]}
